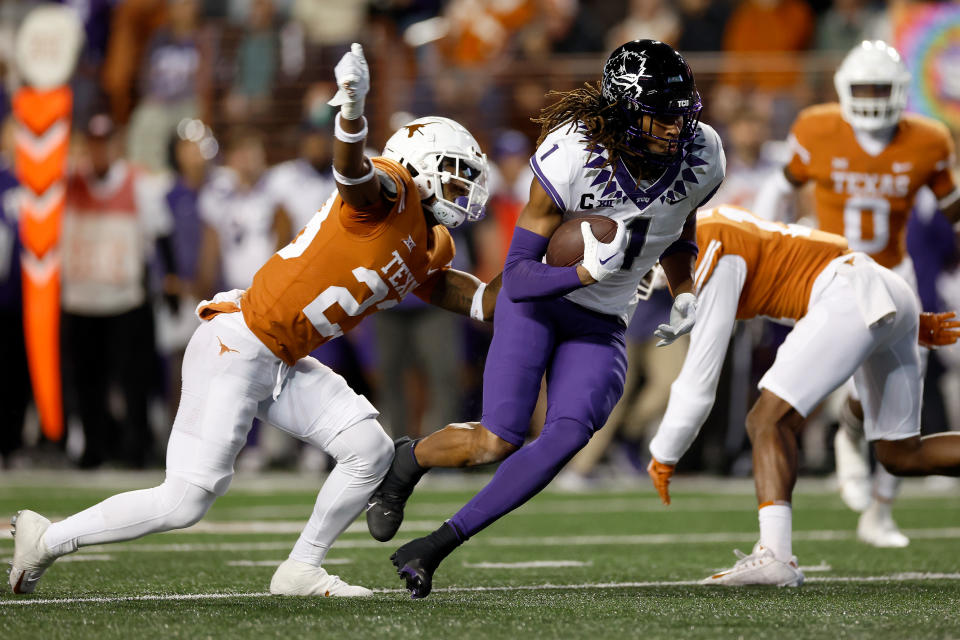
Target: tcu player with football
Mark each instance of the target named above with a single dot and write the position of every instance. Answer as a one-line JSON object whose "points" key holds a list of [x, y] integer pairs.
{"points": [[630, 148], [381, 235], [867, 159], [852, 318]]}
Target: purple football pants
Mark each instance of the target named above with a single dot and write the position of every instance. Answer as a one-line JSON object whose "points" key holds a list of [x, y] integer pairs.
{"points": [[583, 355]]}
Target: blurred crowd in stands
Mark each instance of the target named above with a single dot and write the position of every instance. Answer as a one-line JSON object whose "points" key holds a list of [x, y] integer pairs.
{"points": [[207, 121]]}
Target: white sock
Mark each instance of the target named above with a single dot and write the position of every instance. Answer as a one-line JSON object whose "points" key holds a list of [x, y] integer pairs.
{"points": [[363, 453], [776, 523], [886, 486], [175, 504]]}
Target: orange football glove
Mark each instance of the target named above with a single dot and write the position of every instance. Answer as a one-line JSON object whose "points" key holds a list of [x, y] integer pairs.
{"points": [[660, 474], [938, 329]]}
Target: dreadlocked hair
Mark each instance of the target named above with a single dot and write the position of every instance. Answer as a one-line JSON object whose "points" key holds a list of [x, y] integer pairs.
{"points": [[585, 105]]}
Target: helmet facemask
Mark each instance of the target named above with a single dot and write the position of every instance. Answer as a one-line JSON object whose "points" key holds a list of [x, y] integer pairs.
{"points": [[641, 131], [459, 185]]}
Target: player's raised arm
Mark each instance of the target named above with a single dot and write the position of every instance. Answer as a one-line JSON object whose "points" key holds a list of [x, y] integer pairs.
{"points": [[353, 171]]}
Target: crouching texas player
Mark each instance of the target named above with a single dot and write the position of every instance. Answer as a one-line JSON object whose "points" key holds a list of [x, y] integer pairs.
{"points": [[381, 236], [866, 159], [853, 318]]}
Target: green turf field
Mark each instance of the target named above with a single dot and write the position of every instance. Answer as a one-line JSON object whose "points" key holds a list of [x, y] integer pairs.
{"points": [[606, 564]]}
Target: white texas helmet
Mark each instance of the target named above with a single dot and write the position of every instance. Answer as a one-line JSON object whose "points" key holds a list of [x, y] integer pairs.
{"points": [[872, 62], [422, 145]]}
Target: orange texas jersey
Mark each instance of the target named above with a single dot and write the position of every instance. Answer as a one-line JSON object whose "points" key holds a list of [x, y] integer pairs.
{"points": [[782, 260], [863, 197], [343, 266]]}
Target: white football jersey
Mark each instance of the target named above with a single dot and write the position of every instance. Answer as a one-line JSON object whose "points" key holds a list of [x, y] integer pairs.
{"points": [[653, 211], [243, 220], [300, 189]]}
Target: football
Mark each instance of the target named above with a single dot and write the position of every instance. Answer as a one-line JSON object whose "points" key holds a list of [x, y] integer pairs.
{"points": [[566, 244]]}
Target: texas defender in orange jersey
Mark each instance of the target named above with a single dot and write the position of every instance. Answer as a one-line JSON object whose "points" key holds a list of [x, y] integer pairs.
{"points": [[852, 318], [867, 160], [380, 237]]}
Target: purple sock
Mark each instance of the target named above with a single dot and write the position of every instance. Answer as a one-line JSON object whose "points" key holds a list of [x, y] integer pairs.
{"points": [[523, 475]]}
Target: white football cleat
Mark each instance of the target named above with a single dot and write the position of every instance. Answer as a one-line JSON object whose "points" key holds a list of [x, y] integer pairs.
{"points": [[877, 528], [759, 568], [853, 471], [30, 554], [295, 578]]}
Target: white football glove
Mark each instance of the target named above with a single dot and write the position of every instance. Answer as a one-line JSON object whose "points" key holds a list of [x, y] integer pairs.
{"points": [[601, 259], [683, 315], [353, 83]]}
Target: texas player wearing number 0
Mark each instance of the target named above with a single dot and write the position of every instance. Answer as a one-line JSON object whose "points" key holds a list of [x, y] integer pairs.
{"points": [[631, 148], [380, 236], [867, 159]]}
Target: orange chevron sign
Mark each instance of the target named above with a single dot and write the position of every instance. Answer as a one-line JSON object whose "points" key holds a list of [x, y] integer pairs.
{"points": [[42, 142]]}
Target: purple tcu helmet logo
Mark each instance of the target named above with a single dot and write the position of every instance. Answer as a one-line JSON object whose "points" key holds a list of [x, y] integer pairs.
{"points": [[621, 76]]}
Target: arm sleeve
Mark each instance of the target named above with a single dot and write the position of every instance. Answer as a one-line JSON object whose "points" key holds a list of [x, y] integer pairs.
{"points": [[525, 277], [693, 392], [774, 198]]}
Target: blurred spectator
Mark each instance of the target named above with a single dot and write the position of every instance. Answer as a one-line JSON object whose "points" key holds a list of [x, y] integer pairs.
{"points": [[243, 224], [564, 26], [846, 23], [175, 85], [109, 227], [132, 24], [88, 95], [256, 64], [702, 25], [748, 155], [15, 391], [509, 191], [189, 155], [303, 184], [765, 26], [653, 19]]}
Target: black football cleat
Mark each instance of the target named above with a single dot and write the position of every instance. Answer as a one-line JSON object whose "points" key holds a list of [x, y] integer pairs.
{"points": [[418, 559], [385, 507]]}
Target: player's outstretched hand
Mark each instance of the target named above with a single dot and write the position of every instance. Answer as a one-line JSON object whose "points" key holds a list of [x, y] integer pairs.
{"points": [[353, 83], [660, 474], [683, 315], [938, 329], [601, 259]]}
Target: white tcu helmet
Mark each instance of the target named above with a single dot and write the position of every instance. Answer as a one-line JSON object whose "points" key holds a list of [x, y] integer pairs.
{"points": [[422, 146], [872, 62]]}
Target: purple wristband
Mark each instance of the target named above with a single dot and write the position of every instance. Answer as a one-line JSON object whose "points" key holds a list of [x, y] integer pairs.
{"points": [[526, 278]]}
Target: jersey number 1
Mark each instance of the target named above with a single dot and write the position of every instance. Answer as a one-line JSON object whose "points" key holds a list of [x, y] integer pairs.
{"points": [[638, 236]]}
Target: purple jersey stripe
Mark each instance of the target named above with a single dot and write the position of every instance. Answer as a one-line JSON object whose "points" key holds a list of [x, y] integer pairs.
{"points": [[554, 195]]}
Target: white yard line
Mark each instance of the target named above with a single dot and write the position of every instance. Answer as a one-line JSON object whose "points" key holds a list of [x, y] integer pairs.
{"points": [[896, 577], [533, 564], [276, 563], [732, 537]]}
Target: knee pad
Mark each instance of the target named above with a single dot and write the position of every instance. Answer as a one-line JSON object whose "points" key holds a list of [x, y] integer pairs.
{"points": [[183, 503]]}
